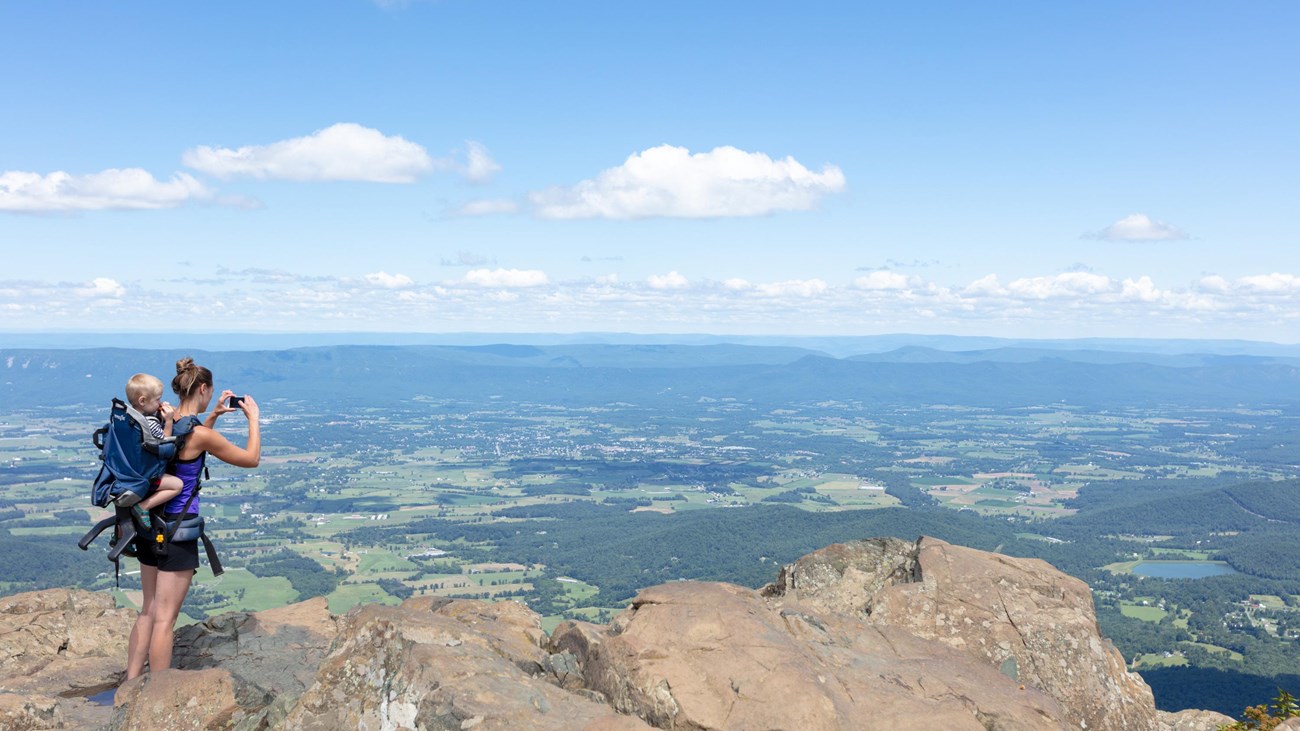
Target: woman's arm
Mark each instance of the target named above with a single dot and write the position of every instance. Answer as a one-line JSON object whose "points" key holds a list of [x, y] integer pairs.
{"points": [[250, 455]]}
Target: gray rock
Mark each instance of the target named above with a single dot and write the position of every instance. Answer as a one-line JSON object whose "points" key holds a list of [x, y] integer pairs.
{"points": [[276, 650]]}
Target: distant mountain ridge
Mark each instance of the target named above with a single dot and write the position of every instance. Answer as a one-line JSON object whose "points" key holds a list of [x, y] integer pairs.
{"points": [[667, 374], [920, 354]]}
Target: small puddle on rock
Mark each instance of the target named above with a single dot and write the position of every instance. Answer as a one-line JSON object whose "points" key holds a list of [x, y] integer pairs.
{"points": [[103, 698]]}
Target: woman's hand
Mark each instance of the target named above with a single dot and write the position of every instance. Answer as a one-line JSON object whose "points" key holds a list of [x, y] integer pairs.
{"points": [[223, 403], [250, 408]]}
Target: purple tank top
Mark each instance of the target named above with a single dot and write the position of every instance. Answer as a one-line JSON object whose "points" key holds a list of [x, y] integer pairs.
{"points": [[189, 472]]}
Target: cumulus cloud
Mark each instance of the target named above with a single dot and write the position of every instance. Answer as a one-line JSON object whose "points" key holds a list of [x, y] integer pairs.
{"points": [[737, 284], [984, 286], [1069, 288], [127, 188], [883, 279], [1213, 283], [506, 277], [669, 181], [1138, 227], [100, 288], [344, 151], [388, 281], [671, 280], [1141, 289], [1270, 283], [1068, 284]]}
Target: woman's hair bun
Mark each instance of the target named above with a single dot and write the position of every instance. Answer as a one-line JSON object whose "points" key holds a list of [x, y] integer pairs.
{"points": [[188, 376]]}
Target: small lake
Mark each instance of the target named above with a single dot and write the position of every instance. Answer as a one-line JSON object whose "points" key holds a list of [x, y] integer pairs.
{"points": [[1182, 569]]}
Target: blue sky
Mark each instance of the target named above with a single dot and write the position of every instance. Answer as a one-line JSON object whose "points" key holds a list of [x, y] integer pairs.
{"points": [[1050, 170]]}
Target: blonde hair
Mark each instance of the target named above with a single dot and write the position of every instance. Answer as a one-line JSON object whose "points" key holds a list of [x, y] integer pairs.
{"points": [[142, 386], [189, 376]]}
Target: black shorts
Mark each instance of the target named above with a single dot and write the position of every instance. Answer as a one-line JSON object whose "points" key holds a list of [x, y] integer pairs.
{"points": [[180, 556]]}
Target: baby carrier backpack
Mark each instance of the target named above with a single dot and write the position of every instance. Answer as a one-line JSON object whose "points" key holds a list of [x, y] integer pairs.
{"points": [[133, 461]]}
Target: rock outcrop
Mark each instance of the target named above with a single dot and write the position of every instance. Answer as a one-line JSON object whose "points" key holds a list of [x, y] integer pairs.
{"points": [[877, 634], [1194, 720], [58, 647], [715, 656], [1018, 614], [437, 664]]}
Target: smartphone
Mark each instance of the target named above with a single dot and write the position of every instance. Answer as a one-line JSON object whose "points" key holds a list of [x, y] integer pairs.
{"points": [[234, 402]]}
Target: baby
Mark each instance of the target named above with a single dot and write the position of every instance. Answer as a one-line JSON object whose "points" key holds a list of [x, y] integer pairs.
{"points": [[144, 392]]}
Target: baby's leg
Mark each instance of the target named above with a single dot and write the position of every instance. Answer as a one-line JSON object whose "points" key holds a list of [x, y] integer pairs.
{"points": [[168, 487]]}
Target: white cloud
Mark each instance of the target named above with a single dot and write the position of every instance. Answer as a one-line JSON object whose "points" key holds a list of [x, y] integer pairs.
{"points": [[344, 151], [1271, 283], [883, 279], [506, 277], [984, 286], [1138, 227], [669, 181], [1069, 284], [671, 280], [1213, 283], [1076, 304], [1141, 289], [487, 207], [128, 188], [101, 288], [389, 281]]}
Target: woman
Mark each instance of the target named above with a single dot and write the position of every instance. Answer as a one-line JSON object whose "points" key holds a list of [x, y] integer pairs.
{"points": [[166, 578]]}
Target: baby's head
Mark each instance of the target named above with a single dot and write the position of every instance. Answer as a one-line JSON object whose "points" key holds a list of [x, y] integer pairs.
{"points": [[144, 392]]}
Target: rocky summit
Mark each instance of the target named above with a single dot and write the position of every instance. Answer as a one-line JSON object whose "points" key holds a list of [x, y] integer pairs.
{"points": [[874, 634]]}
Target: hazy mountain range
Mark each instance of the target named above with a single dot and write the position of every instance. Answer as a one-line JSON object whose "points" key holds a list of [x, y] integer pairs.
{"points": [[1102, 374]]}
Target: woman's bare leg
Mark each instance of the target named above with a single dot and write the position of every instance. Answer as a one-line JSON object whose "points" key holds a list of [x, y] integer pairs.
{"points": [[171, 591], [137, 647]]}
